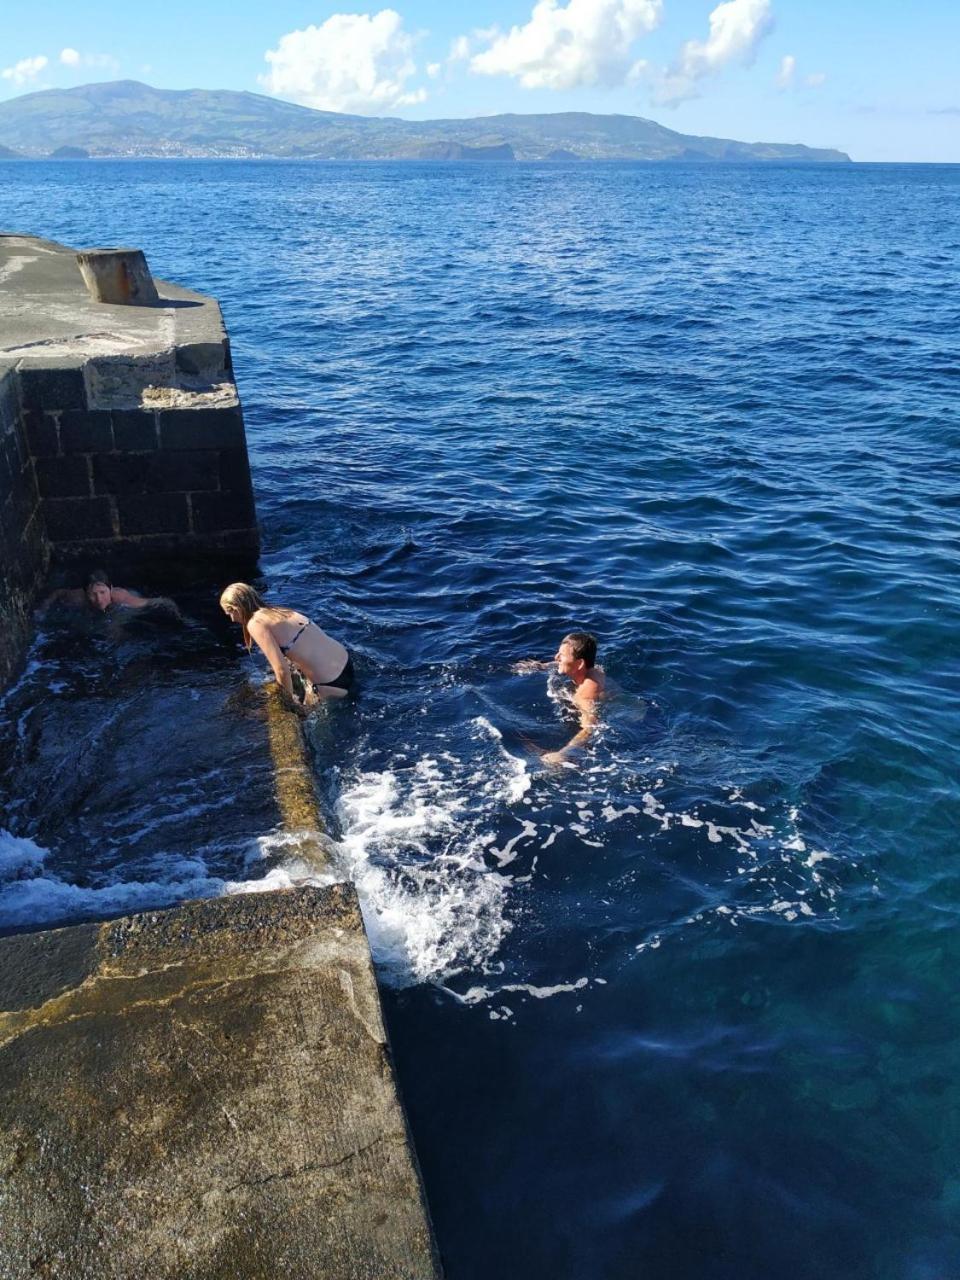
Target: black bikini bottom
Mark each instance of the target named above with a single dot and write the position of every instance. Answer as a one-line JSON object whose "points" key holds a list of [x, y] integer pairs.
{"points": [[345, 680]]}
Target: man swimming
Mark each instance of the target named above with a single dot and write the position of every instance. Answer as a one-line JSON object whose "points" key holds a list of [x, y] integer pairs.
{"points": [[98, 594], [576, 657]]}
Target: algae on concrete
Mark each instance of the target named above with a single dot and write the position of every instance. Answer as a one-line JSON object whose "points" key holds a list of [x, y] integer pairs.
{"points": [[204, 1094]]}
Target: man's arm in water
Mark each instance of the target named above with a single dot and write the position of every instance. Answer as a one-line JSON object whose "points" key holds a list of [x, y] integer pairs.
{"points": [[586, 699], [133, 600], [527, 665]]}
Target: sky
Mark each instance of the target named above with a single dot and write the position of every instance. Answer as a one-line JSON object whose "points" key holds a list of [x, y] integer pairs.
{"points": [[878, 79]]}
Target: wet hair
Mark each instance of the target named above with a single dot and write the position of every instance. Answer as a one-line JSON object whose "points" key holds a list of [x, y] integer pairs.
{"points": [[246, 600], [582, 645], [97, 578]]}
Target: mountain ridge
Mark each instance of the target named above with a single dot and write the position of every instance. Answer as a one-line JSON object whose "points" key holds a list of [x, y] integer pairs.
{"points": [[125, 118]]}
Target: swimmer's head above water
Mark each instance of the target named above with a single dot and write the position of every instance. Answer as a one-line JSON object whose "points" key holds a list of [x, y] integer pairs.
{"points": [[576, 654], [98, 590], [98, 594], [576, 658]]}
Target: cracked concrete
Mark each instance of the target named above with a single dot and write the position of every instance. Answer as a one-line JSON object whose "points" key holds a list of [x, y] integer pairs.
{"points": [[176, 344], [204, 1094]]}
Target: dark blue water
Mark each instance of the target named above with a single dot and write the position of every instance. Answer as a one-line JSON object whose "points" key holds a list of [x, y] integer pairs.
{"points": [[687, 1009]]}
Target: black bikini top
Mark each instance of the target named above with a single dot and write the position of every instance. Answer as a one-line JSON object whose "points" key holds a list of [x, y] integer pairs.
{"points": [[285, 648]]}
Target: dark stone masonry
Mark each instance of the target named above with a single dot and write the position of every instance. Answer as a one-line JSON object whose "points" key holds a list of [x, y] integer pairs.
{"points": [[24, 549], [121, 433]]}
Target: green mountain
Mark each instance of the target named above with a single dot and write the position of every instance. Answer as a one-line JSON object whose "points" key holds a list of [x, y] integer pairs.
{"points": [[126, 118]]}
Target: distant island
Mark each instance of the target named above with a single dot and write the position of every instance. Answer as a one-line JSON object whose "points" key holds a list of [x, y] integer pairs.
{"points": [[124, 118], [70, 153]]}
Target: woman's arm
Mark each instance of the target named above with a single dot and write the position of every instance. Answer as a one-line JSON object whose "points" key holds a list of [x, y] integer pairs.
{"points": [[263, 637]]}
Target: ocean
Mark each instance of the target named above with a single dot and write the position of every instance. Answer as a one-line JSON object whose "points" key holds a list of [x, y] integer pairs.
{"points": [[684, 1008]]}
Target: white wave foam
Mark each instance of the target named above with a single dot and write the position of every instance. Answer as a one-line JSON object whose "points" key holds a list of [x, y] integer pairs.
{"points": [[413, 839], [18, 854], [516, 780], [508, 853], [32, 668], [32, 894], [476, 995], [502, 1012]]}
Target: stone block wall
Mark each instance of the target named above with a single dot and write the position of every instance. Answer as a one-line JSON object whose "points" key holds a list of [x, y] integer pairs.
{"points": [[24, 550], [122, 441], [136, 482]]}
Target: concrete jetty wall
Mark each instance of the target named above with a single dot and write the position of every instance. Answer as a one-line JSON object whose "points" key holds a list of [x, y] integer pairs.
{"points": [[121, 433], [204, 1094]]}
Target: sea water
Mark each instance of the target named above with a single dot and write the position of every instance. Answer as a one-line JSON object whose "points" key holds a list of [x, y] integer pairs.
{"points": [[686, 1007]]}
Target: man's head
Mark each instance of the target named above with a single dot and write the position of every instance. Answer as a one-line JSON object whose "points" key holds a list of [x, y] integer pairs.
{"points": [[577, 652], [97, 590]]}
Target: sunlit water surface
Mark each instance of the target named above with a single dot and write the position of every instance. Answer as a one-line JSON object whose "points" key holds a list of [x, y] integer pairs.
{"points": [[688, 1008]]}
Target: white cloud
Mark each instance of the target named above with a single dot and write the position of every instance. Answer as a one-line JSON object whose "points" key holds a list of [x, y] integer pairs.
{"points": [[585, 42], [102, 61], [25, 70], [786, 76], [352, 62], [434, 69], [99, 61], [736, 28], [459, 49]]}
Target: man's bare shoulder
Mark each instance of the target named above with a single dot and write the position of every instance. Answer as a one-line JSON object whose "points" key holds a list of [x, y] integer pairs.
{"points": [[588, 695], [592, 686]]}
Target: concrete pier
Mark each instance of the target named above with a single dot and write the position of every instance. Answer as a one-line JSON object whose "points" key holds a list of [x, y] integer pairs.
{"points": [[204, 1094]]}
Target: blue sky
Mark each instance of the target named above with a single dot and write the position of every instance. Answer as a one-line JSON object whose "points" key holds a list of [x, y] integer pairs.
{"points": [[877, 80]]}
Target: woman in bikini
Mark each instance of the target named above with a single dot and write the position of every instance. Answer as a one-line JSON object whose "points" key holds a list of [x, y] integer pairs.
{"points": [[287, 637]]}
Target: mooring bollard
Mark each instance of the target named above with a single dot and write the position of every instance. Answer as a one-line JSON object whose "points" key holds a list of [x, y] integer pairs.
{"points": [[119, 276]]}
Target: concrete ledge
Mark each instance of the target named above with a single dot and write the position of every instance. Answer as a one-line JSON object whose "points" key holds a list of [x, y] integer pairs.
{"points": [[294, 783], [204, 1093], [134, 404]]}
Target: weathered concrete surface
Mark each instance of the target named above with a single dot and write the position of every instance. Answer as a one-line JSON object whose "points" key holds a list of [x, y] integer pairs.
{"points": [[204, 1093], [295, 786], [48, 314], [118, 275]]}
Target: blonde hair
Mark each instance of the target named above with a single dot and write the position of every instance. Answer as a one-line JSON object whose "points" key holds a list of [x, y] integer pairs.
{"points": [[246, 600]]}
